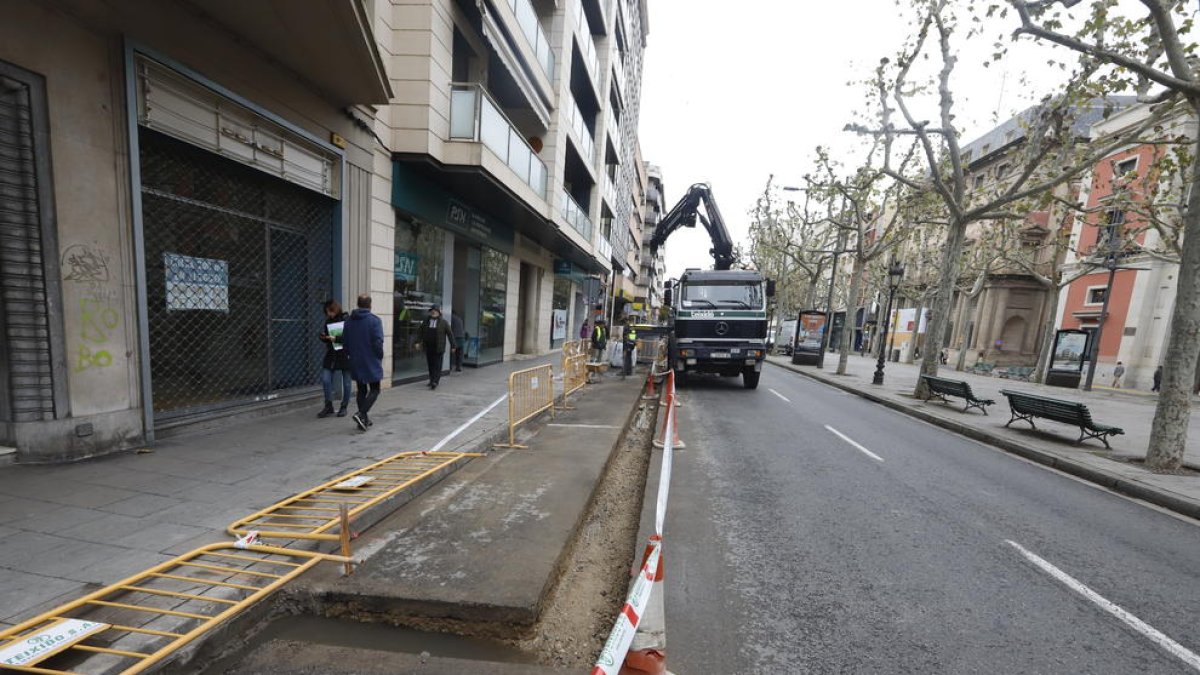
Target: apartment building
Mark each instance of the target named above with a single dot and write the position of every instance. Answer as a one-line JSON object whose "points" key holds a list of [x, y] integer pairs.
{"points": [[188, 184], [511, 139], [1117, 199], [653, 267]]}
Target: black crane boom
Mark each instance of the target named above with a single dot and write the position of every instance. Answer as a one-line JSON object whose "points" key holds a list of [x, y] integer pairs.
{"points": [[684, 214]]}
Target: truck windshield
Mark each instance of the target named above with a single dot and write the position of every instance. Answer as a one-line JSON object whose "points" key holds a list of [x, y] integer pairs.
{"points": [[741, 296]]}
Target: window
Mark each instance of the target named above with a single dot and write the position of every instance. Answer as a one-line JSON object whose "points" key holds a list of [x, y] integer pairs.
{"points": [[714, 295], [978, 182], [1002, 171], [1095, 295], [1125, 167]]}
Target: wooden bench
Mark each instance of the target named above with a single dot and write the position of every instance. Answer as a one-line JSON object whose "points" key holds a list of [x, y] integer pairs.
{"points": [[1028, 406], [942, 387]]}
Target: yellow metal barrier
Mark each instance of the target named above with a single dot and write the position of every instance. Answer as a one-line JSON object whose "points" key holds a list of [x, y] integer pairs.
{"points": [[144, 619], [315, 513], [569, 349], [575, 375], [530, 392]]}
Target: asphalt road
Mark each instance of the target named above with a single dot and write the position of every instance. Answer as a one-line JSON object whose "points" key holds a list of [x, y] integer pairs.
{"points": [[789, 549]]}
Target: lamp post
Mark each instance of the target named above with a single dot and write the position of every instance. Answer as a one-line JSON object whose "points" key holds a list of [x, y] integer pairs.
{"points": [[895, 276]]}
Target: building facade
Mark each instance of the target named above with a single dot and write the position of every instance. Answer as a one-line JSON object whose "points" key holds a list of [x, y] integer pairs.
{"points": [[189, 184], [1141, 295]]}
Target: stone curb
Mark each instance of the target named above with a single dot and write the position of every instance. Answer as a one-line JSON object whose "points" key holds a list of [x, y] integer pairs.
{"points": [[1111, 480]]}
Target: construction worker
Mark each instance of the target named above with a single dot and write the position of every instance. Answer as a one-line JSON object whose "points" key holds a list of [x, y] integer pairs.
{"points": [[629, 341], [599, 340]]}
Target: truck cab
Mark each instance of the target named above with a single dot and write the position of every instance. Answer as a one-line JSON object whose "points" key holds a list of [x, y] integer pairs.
{"points": [[720, 324]]}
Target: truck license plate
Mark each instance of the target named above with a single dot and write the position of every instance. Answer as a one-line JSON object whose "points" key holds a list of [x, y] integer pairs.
{"points": [[720, 355]]}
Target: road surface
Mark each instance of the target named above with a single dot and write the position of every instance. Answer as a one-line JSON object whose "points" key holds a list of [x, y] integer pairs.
{"points": [[811, 531]]}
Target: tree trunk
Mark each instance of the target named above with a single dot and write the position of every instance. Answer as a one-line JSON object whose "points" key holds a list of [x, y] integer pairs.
{"points": [[1039, 373], [964, 321], [941, 304], [856, 276], [1168, 433]]}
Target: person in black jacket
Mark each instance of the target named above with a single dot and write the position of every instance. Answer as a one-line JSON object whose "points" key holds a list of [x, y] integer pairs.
{"points": [[335, 361], [435, 336]]}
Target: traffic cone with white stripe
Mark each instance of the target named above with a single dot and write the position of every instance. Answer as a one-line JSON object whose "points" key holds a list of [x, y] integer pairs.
{"points": [[669, 409], [650, 394]]}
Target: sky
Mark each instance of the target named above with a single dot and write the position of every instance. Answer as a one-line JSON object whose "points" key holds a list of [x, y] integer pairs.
{"points": [[736, 91]]}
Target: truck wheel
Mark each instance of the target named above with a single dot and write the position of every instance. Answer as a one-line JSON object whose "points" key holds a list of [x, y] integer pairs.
{"points": [[750, 378]]}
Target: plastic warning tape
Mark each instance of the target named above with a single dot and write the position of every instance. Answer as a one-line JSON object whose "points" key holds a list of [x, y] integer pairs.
{"points": [[626, 625]]}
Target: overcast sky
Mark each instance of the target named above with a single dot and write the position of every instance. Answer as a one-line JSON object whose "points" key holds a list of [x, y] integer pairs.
{"points": [[736, 91]]}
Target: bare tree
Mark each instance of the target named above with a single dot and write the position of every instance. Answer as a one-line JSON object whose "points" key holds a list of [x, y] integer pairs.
{"points": [[1153, 55], [1050, 154]]}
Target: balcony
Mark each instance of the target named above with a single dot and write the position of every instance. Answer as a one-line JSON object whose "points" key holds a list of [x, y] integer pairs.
{"points": [[527, 19], [610, 191], [604, 249], [474, 116], [580, 132], [575, 215], [619, 74], [587, 44]]}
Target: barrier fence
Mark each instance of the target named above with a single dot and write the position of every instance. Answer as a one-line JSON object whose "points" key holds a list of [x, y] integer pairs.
{"points": [[575, 375], [314, 514], [143, 619], [530, 393], [643, 616]]}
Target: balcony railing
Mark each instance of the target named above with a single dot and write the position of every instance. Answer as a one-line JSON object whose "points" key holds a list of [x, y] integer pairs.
{"points": [[575, 215], [474, 116], [582, 135], [603, 248], [610, 191], [527, 19], [587, 44], [614, 130], [619, 72]]}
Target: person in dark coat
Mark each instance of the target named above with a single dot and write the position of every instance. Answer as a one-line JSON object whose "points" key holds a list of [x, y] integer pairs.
{"points": [[1157, 379], [363, 338], [335, 362], [459, 332], [435, 335]]}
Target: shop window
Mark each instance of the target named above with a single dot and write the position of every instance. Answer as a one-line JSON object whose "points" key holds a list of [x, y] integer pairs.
{"points": [[493, 298], [419, 265], [559, 311]]}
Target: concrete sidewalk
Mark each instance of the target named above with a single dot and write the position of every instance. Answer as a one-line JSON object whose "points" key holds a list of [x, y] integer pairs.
{"points": [[1052, 443], [67, 529]]}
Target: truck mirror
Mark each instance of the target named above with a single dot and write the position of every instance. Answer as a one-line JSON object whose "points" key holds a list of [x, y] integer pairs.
{"points": [[770, 288], [667, 297]]}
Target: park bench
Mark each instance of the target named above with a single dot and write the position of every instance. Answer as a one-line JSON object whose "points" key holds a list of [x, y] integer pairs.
{"points": [[1028, 406], [942, 387]]}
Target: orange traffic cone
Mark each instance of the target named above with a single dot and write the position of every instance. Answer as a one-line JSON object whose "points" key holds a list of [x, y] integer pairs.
{"points": [[644, 662], [668, 409], [650, 394]]}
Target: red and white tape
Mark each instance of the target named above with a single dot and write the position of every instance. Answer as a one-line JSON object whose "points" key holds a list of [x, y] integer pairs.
{"points": [[616, 649]]}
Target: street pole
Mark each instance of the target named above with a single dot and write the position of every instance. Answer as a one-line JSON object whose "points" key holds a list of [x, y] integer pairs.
{"points": [[828, 335], [883, 337]]}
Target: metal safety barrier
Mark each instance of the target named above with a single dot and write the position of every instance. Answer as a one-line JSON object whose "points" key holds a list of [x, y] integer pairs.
{"points": [[530, 393], [142, 620], [570, 349], [575, 375], [315, 513]]}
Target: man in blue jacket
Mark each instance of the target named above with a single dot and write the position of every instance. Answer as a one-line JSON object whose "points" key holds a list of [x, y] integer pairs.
{"points": [[362, 338]]}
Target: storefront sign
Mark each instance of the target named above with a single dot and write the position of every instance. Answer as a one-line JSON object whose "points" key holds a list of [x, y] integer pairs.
{"points": [[465, 220], [563, 267], [405, 265], [420, 197], [196, 283]]}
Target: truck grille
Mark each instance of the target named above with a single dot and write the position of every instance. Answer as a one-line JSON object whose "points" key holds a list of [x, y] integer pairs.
{"points": [[734, 328]]}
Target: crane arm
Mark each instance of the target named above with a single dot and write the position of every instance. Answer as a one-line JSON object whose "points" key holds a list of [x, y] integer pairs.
{"points": [[684, 214]]}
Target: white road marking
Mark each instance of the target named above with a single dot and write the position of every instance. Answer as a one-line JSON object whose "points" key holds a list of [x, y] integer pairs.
{"points": [[778, 394], [849, 440], [584, 426], [1177, 650], [449, 437]]}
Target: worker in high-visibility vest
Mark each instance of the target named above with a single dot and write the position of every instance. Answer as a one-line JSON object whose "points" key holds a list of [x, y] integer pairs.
{"points": [[599, 340], [629, 341]]}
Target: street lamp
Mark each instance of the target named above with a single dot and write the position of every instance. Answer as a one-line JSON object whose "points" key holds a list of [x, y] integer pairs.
{"points": [[895, 276]]}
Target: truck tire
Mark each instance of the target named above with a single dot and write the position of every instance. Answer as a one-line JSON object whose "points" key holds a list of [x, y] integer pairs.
{"points": [[750, 378]]}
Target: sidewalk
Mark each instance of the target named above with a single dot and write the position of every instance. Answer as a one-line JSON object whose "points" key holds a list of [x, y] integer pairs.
{"points": [[1052, 443], [70, 528]]}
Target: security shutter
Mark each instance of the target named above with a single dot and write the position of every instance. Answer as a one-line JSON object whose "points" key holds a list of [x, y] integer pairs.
{"points": [[26, 372]]}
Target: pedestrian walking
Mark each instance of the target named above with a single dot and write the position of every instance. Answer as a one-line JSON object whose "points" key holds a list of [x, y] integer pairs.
{"points": [[459, 332], [628, 343], [585, 330], [599, 340], [1118, 373], [435, 335], [335, 363], [1157, 379], [363, 339]]}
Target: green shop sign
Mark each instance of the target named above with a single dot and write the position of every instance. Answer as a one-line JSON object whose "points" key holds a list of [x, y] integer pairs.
{"points": [[421, 197], [406, 265]]}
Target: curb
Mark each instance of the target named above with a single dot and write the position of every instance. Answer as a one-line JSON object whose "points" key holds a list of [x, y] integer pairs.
{"points": [[1112, 481]]}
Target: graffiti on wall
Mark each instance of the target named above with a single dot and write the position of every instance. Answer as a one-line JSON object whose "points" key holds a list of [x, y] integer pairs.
{"points": [[86, 267]]}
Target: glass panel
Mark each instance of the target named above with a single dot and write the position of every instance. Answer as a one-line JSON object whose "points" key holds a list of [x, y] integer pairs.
{"points": [[419, 264], [493, 129], [519, 155], [462, 113], [493, 298], [559, 310], [537, 176]]}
